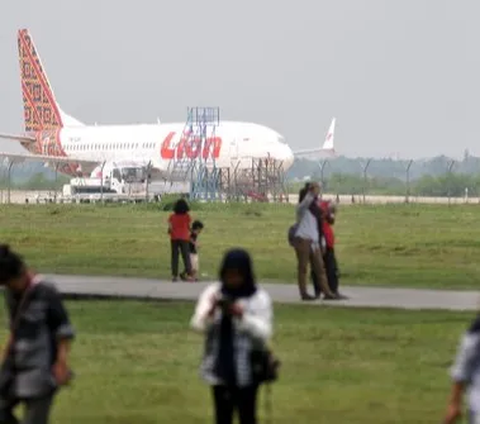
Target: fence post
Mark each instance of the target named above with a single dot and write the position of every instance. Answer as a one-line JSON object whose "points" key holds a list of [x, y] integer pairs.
{"points": [[407, 181], [365, 169], [450, 165]]}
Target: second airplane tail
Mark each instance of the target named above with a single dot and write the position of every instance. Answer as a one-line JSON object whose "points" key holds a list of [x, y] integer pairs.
{"points": [[328, 144]]}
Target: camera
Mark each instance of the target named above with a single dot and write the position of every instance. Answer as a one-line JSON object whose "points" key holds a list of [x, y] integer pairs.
{"points": [[224, 302]]}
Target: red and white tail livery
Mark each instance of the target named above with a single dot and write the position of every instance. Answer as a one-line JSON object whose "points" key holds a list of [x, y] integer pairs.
{"points": [[327, 146]]}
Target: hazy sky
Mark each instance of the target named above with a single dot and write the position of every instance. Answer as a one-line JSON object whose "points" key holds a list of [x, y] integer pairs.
{"points": [[402, 77]]}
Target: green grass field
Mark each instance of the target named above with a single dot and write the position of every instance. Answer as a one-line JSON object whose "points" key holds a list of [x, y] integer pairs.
{"points": [[137, 363], [397, 245]]}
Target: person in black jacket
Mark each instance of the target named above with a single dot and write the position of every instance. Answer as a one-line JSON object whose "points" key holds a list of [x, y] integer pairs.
{"points": [[41, 331]]}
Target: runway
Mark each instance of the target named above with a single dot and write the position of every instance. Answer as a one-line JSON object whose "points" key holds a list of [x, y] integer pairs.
{"points": [[364, 297]]}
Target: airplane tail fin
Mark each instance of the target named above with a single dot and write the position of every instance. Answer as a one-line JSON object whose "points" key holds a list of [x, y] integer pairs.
{"points": [[327, 147], [41, 110], [328, 144]]}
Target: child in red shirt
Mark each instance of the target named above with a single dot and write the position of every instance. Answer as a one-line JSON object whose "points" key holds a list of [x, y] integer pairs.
{"points": [[329, 258], [179, 230]]}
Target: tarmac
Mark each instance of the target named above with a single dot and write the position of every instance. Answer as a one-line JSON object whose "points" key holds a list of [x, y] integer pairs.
{"points": [[359, 297]]}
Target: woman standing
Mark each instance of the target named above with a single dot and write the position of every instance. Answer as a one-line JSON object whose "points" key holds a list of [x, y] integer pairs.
{"points": [[236, 318], [179, 229], [307, 241]]}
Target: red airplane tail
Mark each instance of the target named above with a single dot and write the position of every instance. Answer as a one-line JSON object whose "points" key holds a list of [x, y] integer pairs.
{"points": [[41, 111]]}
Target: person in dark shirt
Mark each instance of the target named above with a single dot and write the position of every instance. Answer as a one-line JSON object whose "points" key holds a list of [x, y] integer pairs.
{"points": [[35, 361], [197, 228], [329, 258]]}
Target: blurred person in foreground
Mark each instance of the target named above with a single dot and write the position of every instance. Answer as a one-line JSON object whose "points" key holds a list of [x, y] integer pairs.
{"points": [[236, 317], [465, 374], [35, 363], [307, 235]]}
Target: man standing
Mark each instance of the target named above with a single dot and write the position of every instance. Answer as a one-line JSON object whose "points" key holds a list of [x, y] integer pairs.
{"points": [[36, 358]]}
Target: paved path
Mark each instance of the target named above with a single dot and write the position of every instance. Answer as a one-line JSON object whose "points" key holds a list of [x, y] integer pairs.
{"points": [[281, 293]]}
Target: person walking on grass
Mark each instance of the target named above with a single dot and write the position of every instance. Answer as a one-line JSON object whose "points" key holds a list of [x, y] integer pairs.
{"points": [[35, 363], [236, 317], [306, 242], [179, 230], [465, 374]]}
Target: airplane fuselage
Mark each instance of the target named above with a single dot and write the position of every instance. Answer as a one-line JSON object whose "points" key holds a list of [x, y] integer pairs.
{"points": [[232, 144]]}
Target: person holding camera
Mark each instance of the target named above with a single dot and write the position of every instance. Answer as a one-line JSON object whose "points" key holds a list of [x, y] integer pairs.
{"points": [[35, 362], [306, 242], [236, 317]]}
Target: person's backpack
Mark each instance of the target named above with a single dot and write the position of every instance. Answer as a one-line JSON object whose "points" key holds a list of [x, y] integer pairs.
{"points": [[291, 233]]}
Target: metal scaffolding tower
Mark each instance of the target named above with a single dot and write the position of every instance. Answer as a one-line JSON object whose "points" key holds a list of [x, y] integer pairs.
{"points": [[194, 159], [262, 181]]}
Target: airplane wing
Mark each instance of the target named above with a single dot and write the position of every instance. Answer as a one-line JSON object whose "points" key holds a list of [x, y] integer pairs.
{"points": [[20, 157], [21, 138], [327, 145], [310, 151]]}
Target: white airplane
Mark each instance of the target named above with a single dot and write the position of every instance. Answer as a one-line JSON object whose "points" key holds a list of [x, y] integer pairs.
{"points": [[55, 138]]}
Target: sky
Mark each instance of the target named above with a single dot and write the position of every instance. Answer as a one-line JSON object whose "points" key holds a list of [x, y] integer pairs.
{"points": [[401, 77]]}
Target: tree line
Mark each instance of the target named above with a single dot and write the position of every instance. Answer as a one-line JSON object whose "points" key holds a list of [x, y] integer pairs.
{"points": [[439, 177], [449, 185]]}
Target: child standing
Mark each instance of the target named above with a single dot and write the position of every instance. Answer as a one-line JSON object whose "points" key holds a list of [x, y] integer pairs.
{"points": [[329, 257], [179, 230], [197, 228]]}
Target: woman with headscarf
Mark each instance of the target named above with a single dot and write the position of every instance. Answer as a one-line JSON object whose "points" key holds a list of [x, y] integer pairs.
{"points": [[236, 317]]}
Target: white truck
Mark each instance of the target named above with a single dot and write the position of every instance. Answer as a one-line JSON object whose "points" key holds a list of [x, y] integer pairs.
{"points": [[124, 180]]}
